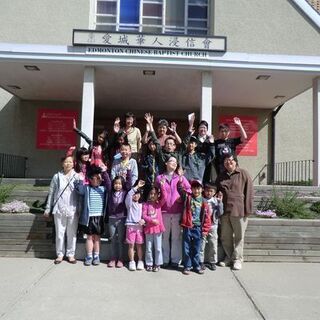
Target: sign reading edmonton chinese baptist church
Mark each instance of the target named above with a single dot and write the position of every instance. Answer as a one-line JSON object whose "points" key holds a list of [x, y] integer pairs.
{"points": [[55, 129], [152, 44]]}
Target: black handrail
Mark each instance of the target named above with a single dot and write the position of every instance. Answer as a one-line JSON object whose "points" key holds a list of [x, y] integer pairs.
{"points": [[12, 166]]}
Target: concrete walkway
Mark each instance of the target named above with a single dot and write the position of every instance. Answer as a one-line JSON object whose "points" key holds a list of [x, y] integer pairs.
{"points": [[38, 289]]}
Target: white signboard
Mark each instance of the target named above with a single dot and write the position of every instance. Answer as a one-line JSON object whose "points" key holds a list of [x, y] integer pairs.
{"points": [[141, 40]]}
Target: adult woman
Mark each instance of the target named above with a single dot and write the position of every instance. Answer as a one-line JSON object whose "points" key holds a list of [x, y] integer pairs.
{"points": [[172, 210], [132, 132], [62, 202]]}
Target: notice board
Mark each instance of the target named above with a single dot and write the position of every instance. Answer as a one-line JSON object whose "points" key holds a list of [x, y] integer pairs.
{"points": [[55, 129]]}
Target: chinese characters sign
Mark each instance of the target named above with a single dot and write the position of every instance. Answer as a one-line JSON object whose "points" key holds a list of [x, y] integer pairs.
{"points": [[140, 40], [250, 125], [55, 129]]}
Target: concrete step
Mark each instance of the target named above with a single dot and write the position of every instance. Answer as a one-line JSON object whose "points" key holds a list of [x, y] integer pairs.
{"points": [[30, 181]]}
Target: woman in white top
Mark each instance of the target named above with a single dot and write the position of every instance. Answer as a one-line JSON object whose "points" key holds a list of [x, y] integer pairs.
{"points": [[62, 202]]}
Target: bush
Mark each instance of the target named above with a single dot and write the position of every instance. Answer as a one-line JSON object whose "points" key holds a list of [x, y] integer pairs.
{"points": [[286, 205], [5, 191], [315, 207]]}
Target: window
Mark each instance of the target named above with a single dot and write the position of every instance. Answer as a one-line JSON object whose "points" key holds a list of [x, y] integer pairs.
{"points": [[156, 16]]}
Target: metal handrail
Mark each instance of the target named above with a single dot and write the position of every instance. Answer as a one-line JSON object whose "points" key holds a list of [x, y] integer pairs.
{"points": [[12, 166], [298, 172]]}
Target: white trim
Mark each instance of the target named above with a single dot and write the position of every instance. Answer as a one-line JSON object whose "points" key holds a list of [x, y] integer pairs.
{"points": [[87, 111], [229, 60], [206, 99], [93, 14], [316, 132], [309, 11]]}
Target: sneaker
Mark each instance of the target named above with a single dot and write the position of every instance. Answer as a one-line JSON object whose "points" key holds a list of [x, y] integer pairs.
{"points": [[132, 266], [119, 264], [156, 269], [202, 266], [140, 265], [212, 266], [88, 261], [199, 271], [224, 263], [96, 260], [186, 271], [165, 266], [149, 268], [111, 264], [237, 265]]}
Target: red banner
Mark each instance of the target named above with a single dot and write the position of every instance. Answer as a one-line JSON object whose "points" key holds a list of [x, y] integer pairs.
{"points": [[55, 129], [250, 125]]}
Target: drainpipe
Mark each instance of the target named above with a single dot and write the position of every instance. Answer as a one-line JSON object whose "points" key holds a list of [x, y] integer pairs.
{"points": [[273, 142]]}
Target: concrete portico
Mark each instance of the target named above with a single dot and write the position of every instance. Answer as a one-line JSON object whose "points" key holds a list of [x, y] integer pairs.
{"points": [[106, 85]]}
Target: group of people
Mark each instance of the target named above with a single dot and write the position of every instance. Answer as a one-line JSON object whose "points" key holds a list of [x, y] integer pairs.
{"points": [[157, 189]]}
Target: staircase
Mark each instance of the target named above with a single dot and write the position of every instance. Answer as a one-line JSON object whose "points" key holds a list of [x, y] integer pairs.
{"points": [[30, 235]]}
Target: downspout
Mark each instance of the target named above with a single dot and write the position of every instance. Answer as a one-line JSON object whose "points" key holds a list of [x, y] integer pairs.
{"points": [[273, 142]]}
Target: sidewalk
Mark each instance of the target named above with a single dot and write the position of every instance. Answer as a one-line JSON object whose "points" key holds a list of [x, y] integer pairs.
{"points": [[38, 289]]}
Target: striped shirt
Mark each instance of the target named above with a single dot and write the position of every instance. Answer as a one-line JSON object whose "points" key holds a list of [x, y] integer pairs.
{"points": [[96, 201]]}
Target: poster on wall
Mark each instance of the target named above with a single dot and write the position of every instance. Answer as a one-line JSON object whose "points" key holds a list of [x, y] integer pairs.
{"points": [[55, 129], [250, 125]]}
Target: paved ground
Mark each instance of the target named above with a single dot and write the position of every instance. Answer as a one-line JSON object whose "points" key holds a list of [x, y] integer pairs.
{"points": [[37, 289]]}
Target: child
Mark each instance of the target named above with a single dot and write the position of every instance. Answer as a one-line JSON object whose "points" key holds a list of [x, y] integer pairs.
{"points": [[120, 166], [193, 161], [117, 213], [196, 223], [151, 214], [116, 142], [134, 223], [93, 213], [149, 166], [98, 148], [225, 144], [209, 242], [62, 202]]}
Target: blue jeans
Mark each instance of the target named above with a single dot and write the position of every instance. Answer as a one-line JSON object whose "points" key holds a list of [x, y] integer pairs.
{"points": [[154, 240], [191, 247]]}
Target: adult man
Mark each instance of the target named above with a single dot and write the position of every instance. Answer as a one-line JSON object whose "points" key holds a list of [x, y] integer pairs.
{"points": [[237, 188]]}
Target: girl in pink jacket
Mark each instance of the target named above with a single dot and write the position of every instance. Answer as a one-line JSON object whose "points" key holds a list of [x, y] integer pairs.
{"points": [[153, 229]]}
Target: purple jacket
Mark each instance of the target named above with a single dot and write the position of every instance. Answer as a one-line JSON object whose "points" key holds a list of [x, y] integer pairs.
{"points": [[173, 202], [116, 203]]}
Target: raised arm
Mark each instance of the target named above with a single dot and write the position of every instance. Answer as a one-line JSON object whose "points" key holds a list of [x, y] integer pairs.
{"points": [[173, 129], [243, 133], [106, 181], [149, 120], [81, 134]]}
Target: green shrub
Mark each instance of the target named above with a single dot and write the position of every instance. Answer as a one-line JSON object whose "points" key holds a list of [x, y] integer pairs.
{"points": [[286, 205], [315, 207], [5, 191]]}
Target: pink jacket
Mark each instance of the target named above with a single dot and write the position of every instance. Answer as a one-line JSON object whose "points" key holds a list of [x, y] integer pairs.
{"points": [[173, 201], [152, 211]]}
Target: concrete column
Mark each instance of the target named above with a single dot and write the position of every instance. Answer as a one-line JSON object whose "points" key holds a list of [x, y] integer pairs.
{"points": [[206, 99], [316, 132], [87, 111]]}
